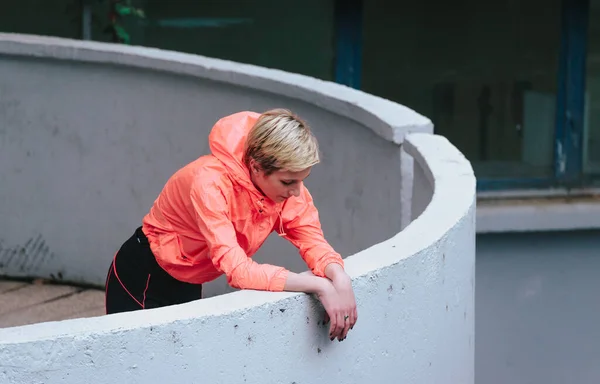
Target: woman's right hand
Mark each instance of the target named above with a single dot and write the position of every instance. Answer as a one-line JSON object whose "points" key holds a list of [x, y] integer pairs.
{"points": [[335, 311]]}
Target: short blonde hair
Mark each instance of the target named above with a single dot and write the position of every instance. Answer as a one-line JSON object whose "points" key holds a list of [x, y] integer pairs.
{"points": [[281, 140]]}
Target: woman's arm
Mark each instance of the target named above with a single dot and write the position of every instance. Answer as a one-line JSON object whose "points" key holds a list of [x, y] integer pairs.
{"points": [[302, 228], [343, 286], [214, 224], [297, 282], [336, 273]]}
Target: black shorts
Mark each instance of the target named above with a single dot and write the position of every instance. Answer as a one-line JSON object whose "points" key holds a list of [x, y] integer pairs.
{"points": [[136, 281]]}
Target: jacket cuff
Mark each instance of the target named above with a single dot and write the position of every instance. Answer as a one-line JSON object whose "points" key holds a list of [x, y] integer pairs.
{"points": [[277, 283], [319, 269]]}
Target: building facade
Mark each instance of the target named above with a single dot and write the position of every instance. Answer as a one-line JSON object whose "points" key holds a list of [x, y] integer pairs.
{"points": [[513, 84]]}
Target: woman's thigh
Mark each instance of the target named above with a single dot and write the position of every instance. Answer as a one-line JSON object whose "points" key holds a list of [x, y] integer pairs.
{"points": [[136, 281]]}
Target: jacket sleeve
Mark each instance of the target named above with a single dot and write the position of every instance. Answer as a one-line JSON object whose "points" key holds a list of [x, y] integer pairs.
{"points": [[214, 223], [301, 226]]}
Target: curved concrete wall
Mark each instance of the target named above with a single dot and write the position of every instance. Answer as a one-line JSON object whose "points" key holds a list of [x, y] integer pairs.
{"points": [[116, 121], [90, 133]]}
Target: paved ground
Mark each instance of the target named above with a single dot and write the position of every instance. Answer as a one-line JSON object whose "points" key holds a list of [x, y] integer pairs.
{"points": [[26, 303]]}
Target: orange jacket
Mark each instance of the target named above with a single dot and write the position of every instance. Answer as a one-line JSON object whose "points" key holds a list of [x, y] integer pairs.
{"points": [[210, 219]]}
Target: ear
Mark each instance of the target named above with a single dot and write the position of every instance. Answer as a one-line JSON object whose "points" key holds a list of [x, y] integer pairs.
{"points": [[253, 165]]}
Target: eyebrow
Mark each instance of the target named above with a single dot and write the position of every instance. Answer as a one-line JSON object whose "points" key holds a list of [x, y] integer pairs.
{"points": [[296, 180], [288, 180]]}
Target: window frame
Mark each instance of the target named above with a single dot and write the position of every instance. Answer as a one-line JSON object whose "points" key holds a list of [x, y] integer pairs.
{"points": [[570, 99]]}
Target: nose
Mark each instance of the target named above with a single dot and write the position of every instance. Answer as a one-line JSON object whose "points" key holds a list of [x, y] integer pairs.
{"points": [[294, 192]]}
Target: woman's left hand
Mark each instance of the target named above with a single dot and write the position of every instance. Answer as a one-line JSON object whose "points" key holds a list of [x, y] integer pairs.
{"points": [[343, 285]]}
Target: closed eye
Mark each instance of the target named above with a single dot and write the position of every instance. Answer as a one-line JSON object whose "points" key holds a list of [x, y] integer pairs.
{"points": [[287, 182]]}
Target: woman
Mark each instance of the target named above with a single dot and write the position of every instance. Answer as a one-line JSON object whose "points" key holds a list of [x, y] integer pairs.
{"points": [[214, 213]]}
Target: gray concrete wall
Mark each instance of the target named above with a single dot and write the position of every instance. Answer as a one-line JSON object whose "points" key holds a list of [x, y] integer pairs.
{"points": [[86, 147], [538, 308]]}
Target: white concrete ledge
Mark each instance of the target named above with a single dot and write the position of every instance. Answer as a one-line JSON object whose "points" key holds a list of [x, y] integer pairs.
{"points": [[415, 290], [452, 179], [390, 120]]}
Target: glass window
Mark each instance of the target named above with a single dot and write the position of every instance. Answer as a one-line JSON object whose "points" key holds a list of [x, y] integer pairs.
{"points": [[297, 36], [61, 18], [485, 72], [591, 125]]}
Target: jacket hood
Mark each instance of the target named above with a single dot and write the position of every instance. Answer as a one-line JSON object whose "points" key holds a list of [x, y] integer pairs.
{"points": [[227, 140]]}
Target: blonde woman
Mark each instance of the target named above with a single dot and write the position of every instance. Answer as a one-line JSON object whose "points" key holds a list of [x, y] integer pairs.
{"points": [[214, 213]]}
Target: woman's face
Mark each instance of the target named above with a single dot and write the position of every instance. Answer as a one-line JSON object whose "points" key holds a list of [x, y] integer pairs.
{"points": [[279, 185]]}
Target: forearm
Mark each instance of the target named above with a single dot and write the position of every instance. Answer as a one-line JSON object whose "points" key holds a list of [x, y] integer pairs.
{"points": [[304, 283], [335, 272]]}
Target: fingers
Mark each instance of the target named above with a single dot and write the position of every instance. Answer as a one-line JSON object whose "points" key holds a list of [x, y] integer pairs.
{"points": [[345, 329], [333, 326], [340, 325], [349, 324], [340, 312]]}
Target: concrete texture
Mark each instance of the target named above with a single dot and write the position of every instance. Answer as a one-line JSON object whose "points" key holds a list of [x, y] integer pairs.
{"points": [[118, 131], [24, 303]]}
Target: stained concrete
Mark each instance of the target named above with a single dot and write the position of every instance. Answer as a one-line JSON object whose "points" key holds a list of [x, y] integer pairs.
{"points": [[23, 303]]}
